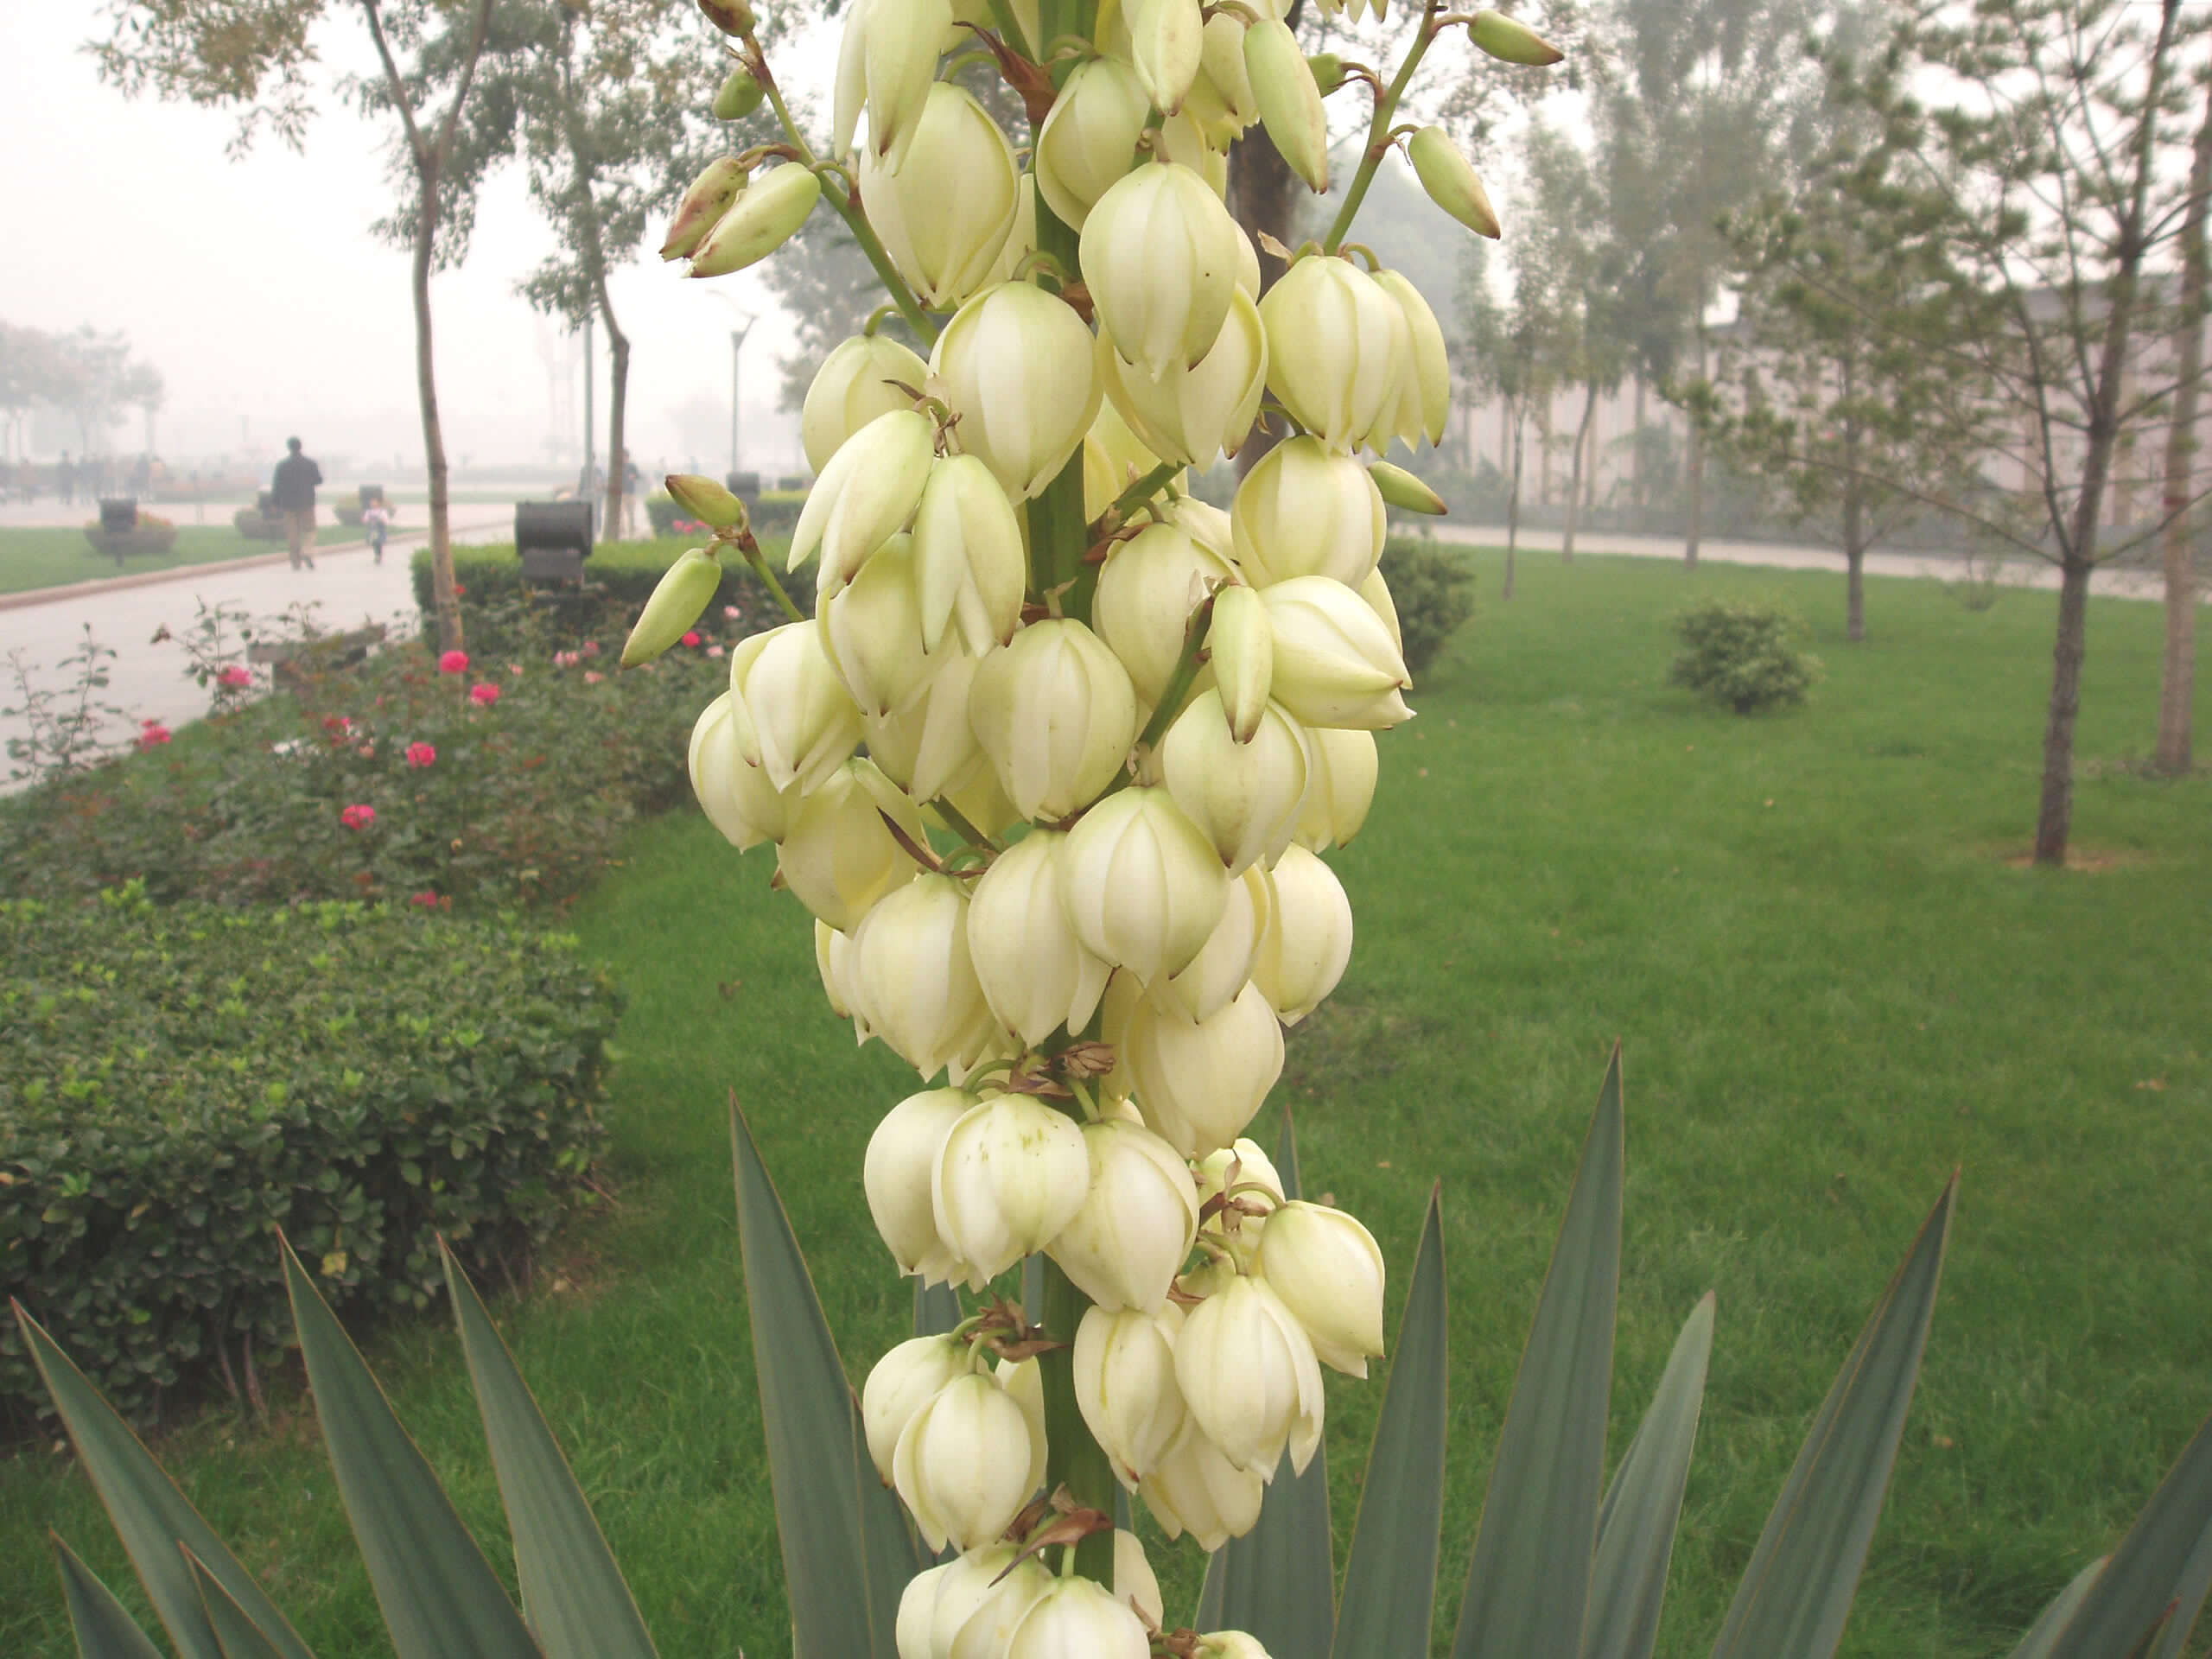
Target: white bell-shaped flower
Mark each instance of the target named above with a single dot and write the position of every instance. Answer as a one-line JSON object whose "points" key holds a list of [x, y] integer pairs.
{"points": [[872, 631], [1142, 886], [1011, 1174], [1241, 652], [1076, 1618], [1244, 1163], [887, 64], [1376, 592], [1036, 974], [1135, 1584], [900, 1384], [1307, 943], [1024, 1380], [1183, 140], [1244, 798], [1020, 369], [1337, 348], [1201, 1082], [1334, 663], [1303, 512], [867, 492], [860, 380], [1341, 769], [1114, 457], [1230, 1644], [735, 794], [977, 1605], [963, 1464], [910, 977], [916, 1604], [1249, 1377], [1090, 139], [969, 560], [831, 949], [1126, 1244], [1219, 973], [1125, 1386], [1328, 1269], [900, 1176], [800, 724], [1191, 416], [1147, 590], [1195, 1490], [1203, 522], [1166, 38], [1426, 385], [1159, 258], [944, 242], [927, 747], [1055, 713], [1012, 261], [838, 857]]}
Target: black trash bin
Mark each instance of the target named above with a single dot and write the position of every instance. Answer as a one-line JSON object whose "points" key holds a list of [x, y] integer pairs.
{"points": [[745, 487], [554, 539], [119, 514]]}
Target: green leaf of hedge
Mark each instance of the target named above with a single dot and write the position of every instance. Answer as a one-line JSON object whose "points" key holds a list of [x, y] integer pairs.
{"points": [[149, 1515], [573, 1593], [439, 1595], [848, 1550], [2161, 1566], [1528, 1582], [1797, 1593], [103, 1630], [1389, 1597], [1276, 1583], [1644, 1504]]}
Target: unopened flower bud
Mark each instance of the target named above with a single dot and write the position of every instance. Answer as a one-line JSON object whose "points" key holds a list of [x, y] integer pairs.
{"points": [[901, 1384], [1197, 1490], [899, 1176], [1303, 512], [1248, 1373], [1021, 369], [866, 493], [767, 215], [1036, 974], [1159, 258], [1244, 798], [735, 793], [1090, 139], [1148, 588], [969, 563], [1190, 415], [1240, 651], [1224, 85], [1337, 348], [1230, 1644], [836, 856], [860, 380], [1165, 40], [1076, 1616], [1289, 100], [1125, 1386], [1243, 1164], [1202, 1082], [1011, 1174], [1511, 42], [1125, 1245], [962, 1463], [731, 16], [1334, 663], [1451, 181], [1143, 886], [1328, 71], [678, 599], [738, 97], [799, 723], [1341, 768], [910, 974], [945, 244], [1307, 943], [1403, 490], [704, 499], [1219, 973], [1425, 386], [1055, 713], [1328, 1270], [704, 203]]}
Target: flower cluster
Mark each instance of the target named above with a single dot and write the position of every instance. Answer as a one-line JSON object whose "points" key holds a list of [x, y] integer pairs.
{"points": [[1054, 761], [358, 816]]}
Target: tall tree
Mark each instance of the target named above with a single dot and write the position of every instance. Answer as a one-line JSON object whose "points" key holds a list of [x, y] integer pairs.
{"points": [[258, 59], [2177, 670], [1509, 355]]}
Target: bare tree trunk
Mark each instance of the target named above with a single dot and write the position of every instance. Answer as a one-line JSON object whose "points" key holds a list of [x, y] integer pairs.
{"points": [[1513, 495], [1574, 476], [1694, 527], [594, 254], [1637, 483], [1854, 530], [2055, 809], [2178, 673]]}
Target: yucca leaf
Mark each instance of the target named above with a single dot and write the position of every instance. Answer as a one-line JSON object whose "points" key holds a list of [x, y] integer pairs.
{"points": [[438, 1594], [102, 1629], [1389, 1596], [1797, 1593], [1528, 1582], [1275, 1583], [936, 1309], [573, 1595], [2036, 1645], [1644, 1504], [149, 1515], [2159, 1568], [240, 1636], [842, 1573]]}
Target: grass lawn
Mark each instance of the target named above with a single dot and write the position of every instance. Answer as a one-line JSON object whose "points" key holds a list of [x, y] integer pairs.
{"points": [[1832, 986], [39, 557]]}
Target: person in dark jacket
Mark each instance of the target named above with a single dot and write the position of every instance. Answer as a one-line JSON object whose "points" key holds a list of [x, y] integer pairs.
{"points": [[292, 493]]}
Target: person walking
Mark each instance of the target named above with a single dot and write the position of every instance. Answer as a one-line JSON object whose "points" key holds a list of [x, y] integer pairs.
{"points": [[292, 493], [376, 520]]}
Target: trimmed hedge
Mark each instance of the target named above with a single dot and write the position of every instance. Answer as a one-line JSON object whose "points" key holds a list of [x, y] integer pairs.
{"points": [[178, 1083], [1744, 652], [1433, 590]]}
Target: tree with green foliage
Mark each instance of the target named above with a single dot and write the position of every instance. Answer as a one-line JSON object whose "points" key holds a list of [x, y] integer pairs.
{"points": [[1509, 355], [257, 61]]}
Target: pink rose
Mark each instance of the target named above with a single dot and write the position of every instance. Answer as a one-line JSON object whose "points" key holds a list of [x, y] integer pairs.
{"points": [[732, 611], [484, 694], [691, 638], [515, 668], [151, 732], [236, 674], [427, 900], [565, 659], [592, 676], [714, 650], [454, 661], [358, 817], [591, 648], [420, 754]]}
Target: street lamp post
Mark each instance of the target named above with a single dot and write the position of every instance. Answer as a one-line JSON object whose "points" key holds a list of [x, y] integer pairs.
{"points": [[736, 345]]}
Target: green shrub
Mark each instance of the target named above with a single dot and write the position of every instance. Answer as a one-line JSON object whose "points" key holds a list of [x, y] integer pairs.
{"points": [[1744, 653], [1433, 590], [176, 1081], [520, 801]]}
